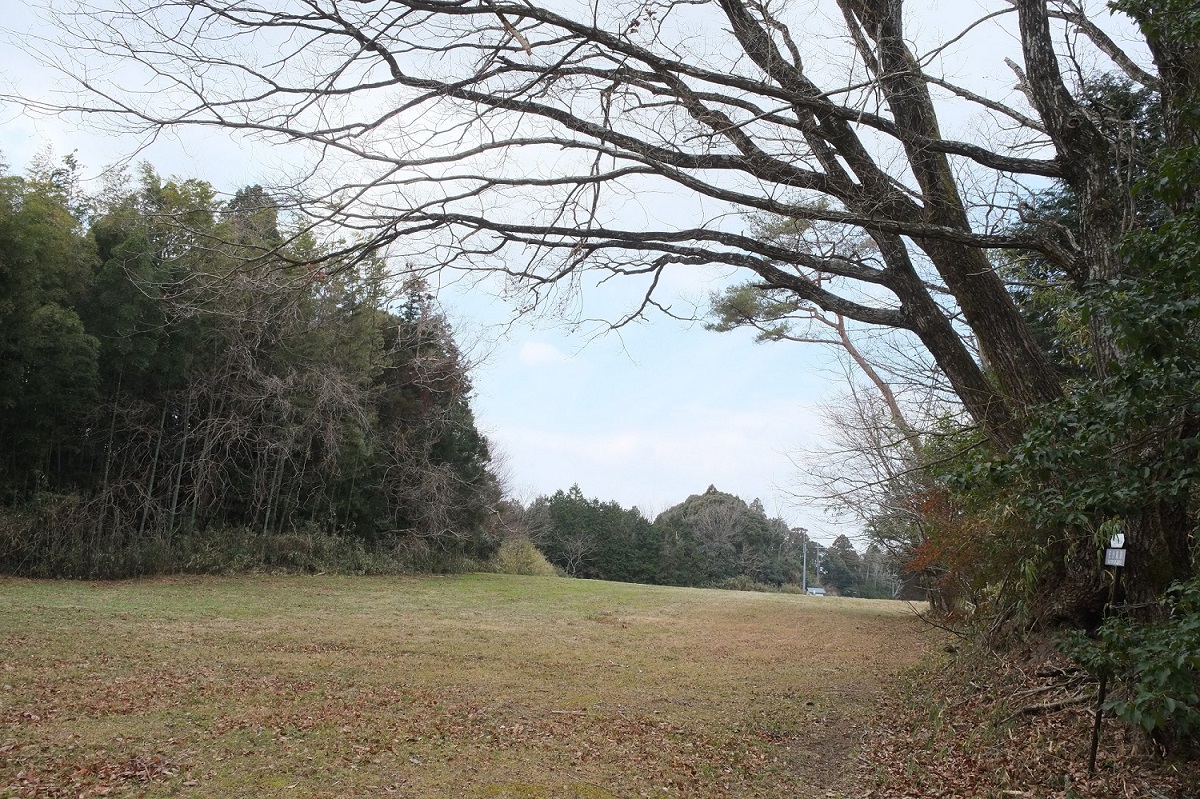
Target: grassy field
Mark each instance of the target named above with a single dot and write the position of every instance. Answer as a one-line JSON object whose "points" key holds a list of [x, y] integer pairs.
{"points": [[472, 686]]}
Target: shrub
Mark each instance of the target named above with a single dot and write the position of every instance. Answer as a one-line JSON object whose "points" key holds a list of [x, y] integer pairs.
{"points": [[520, 556], [742, 582], [1157, 666], [55, 536]]}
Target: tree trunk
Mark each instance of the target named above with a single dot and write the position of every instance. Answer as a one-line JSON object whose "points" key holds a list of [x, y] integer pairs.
{"points": [[1157, 553], [182, 464], [149, 493]]}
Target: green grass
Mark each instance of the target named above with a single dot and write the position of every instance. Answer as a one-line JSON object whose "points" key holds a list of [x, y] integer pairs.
{"points": [[469, 686]]}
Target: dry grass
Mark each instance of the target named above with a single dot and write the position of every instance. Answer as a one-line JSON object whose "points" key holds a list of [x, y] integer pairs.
{"points": [[477, 686]]}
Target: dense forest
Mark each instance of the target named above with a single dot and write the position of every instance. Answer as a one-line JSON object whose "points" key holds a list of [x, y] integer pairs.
{"points": [[179, 389]]}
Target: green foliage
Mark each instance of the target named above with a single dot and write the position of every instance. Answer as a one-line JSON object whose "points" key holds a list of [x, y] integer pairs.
{"points": [[1157, 665], [772, 312], [778, 314], [710, 539], [48, 361], [1065, 469], [187, 367], [594, 539], [841, 567]]}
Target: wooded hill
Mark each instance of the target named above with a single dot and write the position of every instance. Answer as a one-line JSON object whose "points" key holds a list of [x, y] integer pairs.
{"points": [[709, 539]]}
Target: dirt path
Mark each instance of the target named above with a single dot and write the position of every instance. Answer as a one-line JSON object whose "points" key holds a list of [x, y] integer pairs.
{"points": [[477, 686]]}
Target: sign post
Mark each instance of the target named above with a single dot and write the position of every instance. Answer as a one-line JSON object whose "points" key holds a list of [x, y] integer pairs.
{"points": [[1114, 558], [804, 564]]}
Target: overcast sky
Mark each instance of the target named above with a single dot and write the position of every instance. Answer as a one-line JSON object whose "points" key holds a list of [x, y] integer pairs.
{"points": [[650, 414]]}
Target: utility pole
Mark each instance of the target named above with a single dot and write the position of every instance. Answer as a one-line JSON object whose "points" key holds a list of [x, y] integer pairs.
{"points": [[804, 560]]}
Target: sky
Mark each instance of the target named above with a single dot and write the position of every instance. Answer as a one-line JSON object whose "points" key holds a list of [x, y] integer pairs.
{"points": [[651, 414], [646, 415]]}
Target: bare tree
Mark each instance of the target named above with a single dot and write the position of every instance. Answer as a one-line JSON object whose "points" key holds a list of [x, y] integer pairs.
{"points": [[718, 530], [576, 548], [518, 138]]}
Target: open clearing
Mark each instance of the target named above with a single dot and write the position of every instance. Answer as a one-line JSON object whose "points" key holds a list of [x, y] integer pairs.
{"points": [[469, 686]]}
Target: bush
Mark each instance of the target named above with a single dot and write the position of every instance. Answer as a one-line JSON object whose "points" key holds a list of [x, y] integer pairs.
{"points": [[1157, 666], [520, 556], [741, 582], [55, 536]]}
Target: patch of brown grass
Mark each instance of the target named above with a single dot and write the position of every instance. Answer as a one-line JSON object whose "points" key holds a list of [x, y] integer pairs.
{"points": [[476, 686]]}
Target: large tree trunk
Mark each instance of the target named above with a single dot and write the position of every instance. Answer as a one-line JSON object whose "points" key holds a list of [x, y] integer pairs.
{"points": [[1157, 534], [1157, 554], [1022, 370]]}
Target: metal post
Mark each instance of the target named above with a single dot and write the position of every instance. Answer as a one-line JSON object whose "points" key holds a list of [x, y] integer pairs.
{"points": [[1099, 721], [1100, 694], [804, 560]]}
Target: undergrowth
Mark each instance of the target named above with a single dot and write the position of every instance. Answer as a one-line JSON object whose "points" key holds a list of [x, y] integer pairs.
{"points": [[1155, 667], [982, 724], [43, 551], [742, 582]]}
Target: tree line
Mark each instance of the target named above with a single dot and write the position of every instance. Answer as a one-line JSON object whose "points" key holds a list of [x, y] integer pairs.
{"points": [[187, 383], [713, 539]]}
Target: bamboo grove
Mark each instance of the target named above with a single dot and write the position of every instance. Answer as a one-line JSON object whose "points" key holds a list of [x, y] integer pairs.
{"points": [[181, 390]]}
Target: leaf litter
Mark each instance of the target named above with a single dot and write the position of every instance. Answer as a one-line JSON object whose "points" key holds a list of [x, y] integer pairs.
{"points": [[1014, 725]]}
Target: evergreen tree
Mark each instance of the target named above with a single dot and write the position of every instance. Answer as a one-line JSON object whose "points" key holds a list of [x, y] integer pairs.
{"points": [[599, 540], [841, 568]]}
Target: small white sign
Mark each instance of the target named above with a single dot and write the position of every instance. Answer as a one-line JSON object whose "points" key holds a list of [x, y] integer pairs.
{"points": [[1114, 557], [1118, 541]]}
